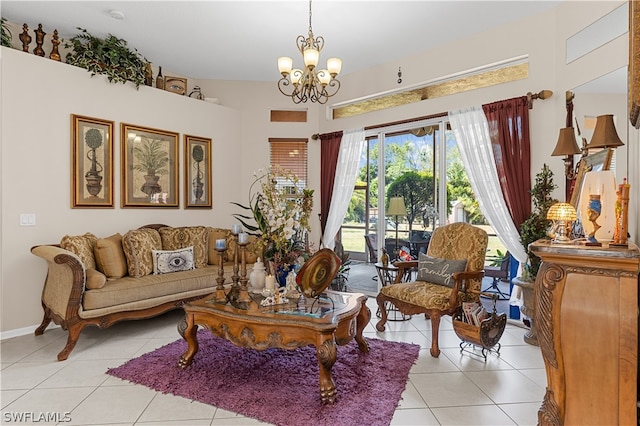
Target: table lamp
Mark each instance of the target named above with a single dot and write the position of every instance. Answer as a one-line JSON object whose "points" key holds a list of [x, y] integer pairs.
{"points": [[561, 214], [396, 208]]}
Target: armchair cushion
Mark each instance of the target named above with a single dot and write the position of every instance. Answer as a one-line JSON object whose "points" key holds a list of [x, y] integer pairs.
{"points": [[439, 271], [426, 295]]}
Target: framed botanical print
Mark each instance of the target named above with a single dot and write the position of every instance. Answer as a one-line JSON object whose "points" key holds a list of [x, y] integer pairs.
{"points": [[197, 172], [149, 163], [91, 162]]}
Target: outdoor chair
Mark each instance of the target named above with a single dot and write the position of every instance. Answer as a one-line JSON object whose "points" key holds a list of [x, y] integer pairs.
{"points": [[449, 274], [498, 273]]}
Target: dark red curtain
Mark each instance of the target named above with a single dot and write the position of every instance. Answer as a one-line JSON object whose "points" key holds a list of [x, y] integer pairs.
{"points": [[329, 150], [509, 130]]}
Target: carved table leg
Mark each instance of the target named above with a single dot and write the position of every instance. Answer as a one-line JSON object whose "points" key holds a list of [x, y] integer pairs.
{"points": [[361, 322], [189, 334], [383, 312], [327, 353]]}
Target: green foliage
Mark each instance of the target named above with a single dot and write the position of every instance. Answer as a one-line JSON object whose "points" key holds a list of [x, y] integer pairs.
{"points": [[417, 191], [6, 34], [109, 56], [151, 157], [460, 189], [537, 225]]}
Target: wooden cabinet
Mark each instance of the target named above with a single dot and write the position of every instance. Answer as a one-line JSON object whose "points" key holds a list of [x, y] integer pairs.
{"points": [[586, 318]]}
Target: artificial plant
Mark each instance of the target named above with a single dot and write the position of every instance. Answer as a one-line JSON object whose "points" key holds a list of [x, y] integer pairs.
{"points": [[6, 34], [536, 226], [109, 56]]}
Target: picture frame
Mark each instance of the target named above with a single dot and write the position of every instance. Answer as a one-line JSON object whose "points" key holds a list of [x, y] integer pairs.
{"points": [[175, 85], [149, 162], [91, 162], [197, 172], [634, 63], [597, 162]]}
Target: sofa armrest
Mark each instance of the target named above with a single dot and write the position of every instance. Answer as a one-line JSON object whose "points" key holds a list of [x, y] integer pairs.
{"points": [[64, 284]]}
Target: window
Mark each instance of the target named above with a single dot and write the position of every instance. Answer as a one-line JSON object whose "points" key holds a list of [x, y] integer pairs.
{"points": [[290, 154]]}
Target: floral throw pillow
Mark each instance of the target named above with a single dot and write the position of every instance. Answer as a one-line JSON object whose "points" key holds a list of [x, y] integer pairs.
{"points": [[82, 246], [439, 271], [188, 236], [138, 245], [167, 261]]}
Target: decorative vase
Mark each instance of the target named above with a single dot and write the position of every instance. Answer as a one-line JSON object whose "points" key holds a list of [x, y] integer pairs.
{"points": [[94, 184], [282, 273], [258, 276]]}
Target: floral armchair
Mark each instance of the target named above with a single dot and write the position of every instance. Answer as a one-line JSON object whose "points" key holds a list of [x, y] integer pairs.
{"points": [[449, 274]]}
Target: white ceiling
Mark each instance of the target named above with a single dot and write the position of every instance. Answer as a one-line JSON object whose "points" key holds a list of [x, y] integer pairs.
{"points": [[241, 40]]}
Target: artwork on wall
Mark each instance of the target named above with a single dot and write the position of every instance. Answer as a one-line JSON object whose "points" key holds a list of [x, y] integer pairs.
{"points": [[149, 159], [175, 85], [197, 169], [91, 162]]}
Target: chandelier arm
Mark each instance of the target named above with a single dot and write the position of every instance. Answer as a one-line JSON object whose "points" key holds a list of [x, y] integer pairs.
{"points": [[283, 84]]}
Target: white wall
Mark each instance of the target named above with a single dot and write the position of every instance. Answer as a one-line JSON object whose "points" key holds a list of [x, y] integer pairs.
{"points": [[38, 95]]}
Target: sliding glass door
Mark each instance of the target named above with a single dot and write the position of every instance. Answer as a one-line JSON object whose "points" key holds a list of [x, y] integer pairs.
{"points": [[418, 162]]}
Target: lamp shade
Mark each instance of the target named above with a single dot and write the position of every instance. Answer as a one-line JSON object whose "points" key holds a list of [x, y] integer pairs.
{"points": [[605, 135], [396, 207], [285, 64], [602, 184], [562, 211], [567, 144]]}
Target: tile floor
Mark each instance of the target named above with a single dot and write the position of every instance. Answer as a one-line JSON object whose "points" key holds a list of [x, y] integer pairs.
{"points": [[454, 389]]}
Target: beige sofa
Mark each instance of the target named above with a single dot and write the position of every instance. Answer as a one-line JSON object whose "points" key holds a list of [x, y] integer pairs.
{"points": [[100, 281]]}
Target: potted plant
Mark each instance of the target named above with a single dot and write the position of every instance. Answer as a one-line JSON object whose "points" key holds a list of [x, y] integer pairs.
{"points": [[109, 56], [153, 162], [535, 227], [6, 34]]}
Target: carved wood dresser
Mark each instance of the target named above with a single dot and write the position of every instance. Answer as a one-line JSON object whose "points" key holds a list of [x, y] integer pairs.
{"points": [[587, 325]]}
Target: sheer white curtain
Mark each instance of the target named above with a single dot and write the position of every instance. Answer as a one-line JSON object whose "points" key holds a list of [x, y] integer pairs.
{"points": [[471, 131], [346, 173]]}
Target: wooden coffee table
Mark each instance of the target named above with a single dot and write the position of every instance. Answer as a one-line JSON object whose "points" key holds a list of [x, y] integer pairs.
{"points": [[335, 318]]}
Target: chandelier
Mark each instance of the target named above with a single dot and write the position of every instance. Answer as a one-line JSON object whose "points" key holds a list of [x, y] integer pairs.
{"points": [[309, 84]]}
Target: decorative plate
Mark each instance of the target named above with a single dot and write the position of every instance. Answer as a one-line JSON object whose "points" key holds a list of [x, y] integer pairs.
{"points": [[317, 273]]}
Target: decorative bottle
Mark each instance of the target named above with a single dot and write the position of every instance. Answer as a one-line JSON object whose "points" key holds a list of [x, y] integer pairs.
{"points": [[160, 79]]}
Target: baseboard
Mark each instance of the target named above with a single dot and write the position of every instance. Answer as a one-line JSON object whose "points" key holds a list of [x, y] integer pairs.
{"points": [[4, 335]]}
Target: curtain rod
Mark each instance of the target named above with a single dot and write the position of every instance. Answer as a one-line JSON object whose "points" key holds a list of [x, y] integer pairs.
{"points": [[543, 94]]}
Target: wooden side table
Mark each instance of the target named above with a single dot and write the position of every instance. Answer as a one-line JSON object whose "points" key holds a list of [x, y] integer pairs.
{"points": [[586, 316], [387, 276]]}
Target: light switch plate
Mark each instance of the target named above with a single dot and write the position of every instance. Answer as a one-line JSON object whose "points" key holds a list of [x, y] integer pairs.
{"points": [[27, 219]]}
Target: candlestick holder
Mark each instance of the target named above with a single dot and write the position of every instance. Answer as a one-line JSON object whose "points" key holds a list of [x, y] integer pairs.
{"points": [[238, 296], [220, 297], [622, 216], [244, 292]]}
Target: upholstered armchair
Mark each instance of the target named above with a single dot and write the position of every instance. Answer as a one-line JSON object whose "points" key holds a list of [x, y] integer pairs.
{"points": [[449, 274]]}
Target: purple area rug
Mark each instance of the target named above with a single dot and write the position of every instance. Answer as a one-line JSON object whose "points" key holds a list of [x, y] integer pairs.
{"points": [[279, 386]]}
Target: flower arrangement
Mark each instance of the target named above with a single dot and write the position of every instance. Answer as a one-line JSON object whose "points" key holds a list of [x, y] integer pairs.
{"points": [[280, 209]]}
